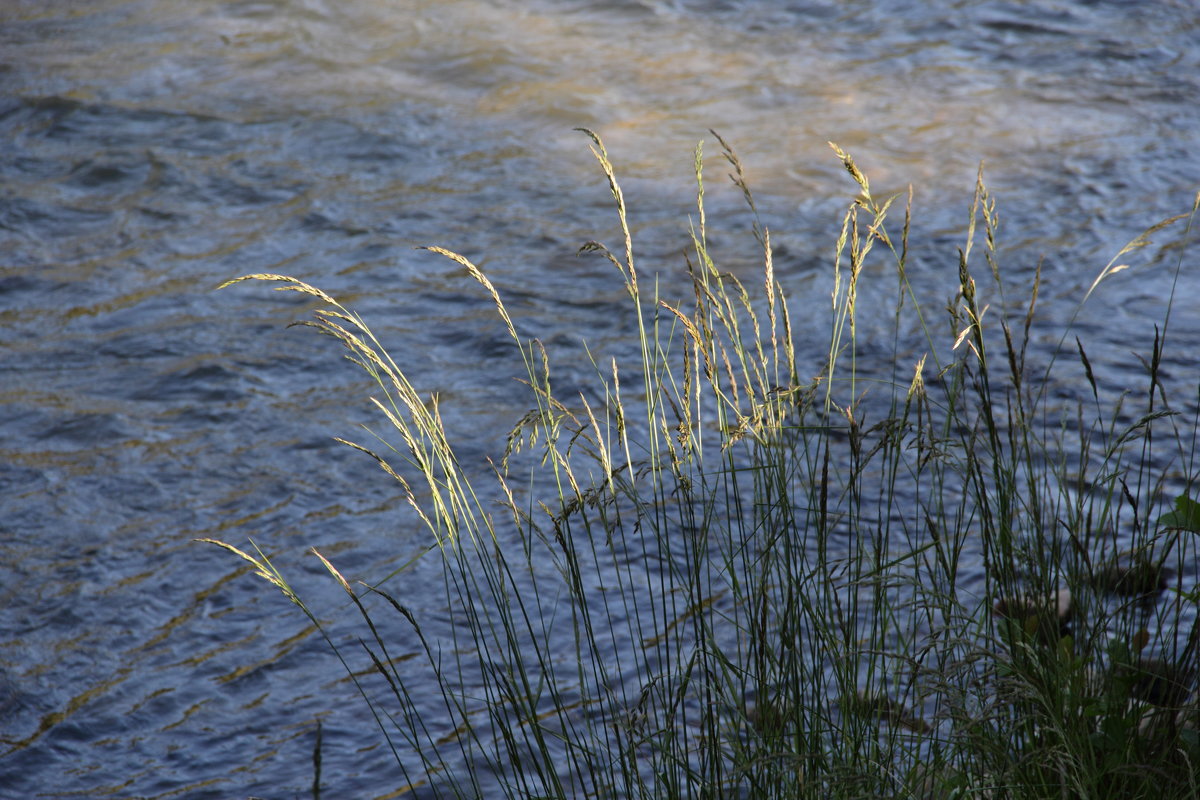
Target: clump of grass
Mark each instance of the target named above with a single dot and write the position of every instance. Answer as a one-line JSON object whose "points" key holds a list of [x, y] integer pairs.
{"points": [[735, 578]]}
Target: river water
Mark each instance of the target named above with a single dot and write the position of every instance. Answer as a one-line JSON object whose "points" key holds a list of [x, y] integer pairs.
{"points": [[153, 149]]}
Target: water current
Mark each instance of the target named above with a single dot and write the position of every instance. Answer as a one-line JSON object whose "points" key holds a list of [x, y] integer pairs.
{"points": [[152, 149]]}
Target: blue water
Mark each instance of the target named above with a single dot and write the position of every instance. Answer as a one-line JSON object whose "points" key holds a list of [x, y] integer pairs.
{"points": [[153, 150]]}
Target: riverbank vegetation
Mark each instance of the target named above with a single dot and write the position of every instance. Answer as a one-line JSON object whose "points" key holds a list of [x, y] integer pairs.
{"points": [[717, 574]]}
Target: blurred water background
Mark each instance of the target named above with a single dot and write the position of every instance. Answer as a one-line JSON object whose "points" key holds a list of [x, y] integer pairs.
{"points": [[154, 148]]}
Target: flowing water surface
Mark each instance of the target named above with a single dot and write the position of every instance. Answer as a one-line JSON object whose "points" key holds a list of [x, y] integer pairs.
{"points": [[153, 148]]}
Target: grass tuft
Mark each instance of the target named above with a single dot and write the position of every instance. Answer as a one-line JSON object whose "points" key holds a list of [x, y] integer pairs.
{"points": [[726, 579]]}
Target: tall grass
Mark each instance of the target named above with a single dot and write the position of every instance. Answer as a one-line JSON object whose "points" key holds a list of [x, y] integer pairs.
{"points": [[732, 578]]}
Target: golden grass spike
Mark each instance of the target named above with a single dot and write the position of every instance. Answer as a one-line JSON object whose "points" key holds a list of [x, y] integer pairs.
{"points": [[738, 176], [601, 155], [294, 285], [917, 386], [510, 502], [478, 275], [699, 167], [733, 384], [769, 283], [333, 571], [382, 461], [239, 552], [330, 313], [852, 168], [353, 342], [789, 344], [602, 451], [692, 333], [1138, 242], [262, 568]]}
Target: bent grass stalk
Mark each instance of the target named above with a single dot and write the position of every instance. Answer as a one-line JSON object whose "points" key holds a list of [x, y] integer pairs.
{"points": [[738, 581]]}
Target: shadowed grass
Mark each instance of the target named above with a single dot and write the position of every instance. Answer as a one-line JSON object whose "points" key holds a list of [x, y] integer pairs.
{"points": [[730, 578]]}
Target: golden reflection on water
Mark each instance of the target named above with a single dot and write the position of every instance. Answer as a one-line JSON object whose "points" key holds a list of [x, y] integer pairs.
{"points": [[651, 84]]}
